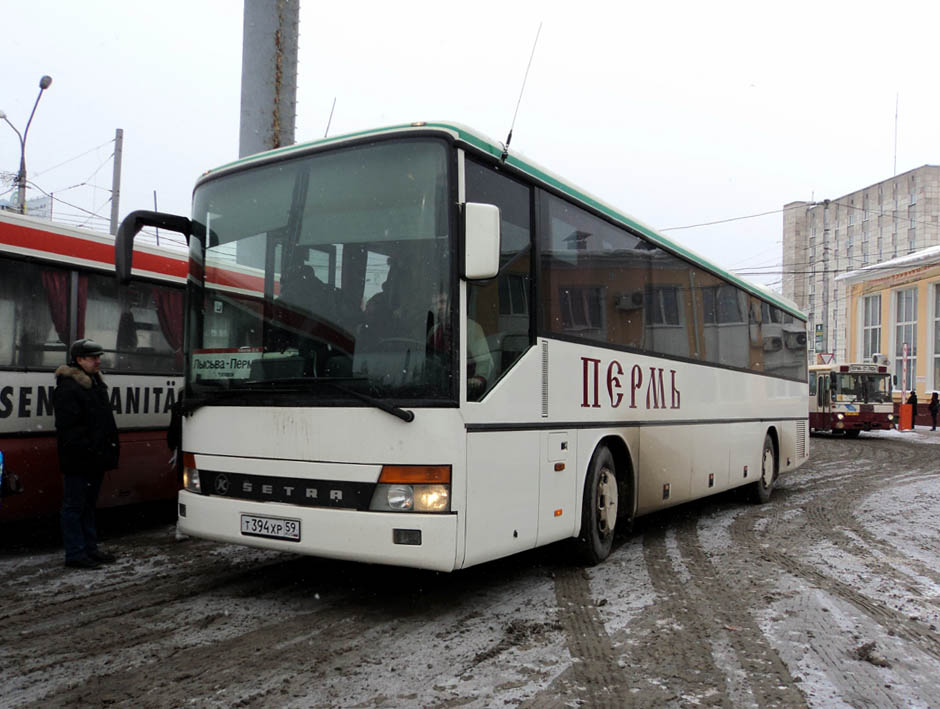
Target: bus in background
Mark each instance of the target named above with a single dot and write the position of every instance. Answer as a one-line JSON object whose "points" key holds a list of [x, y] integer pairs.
{"points": [[850, 398], [56, 286], [408, 347]]}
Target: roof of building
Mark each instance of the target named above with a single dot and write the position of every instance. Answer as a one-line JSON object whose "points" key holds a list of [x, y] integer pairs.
{"points": [[924, 257]]}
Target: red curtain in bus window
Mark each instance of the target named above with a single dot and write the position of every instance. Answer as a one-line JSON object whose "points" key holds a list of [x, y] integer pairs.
{"points": [[82, 305], [56, 285], [170, 314]]}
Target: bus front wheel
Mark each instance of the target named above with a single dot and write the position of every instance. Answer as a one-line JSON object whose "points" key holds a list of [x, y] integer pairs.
{"points": [[768, 472], [599, 511]]}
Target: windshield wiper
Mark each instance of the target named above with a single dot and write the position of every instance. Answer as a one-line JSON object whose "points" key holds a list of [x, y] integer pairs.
{"points": [[403, 414], [335, 383], [260, 386]]}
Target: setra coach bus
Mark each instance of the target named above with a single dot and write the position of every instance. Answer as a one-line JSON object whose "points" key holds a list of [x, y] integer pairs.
{"points": [[56, 286], [407, 346], [850, 398]]}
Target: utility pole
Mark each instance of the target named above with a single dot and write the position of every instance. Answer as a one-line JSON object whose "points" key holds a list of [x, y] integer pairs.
{"points": [[825, 282], [116, 178], [269, 75]]}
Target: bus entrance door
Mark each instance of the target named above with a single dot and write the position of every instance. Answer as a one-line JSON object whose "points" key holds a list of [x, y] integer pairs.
{"points": [[823, 400]]}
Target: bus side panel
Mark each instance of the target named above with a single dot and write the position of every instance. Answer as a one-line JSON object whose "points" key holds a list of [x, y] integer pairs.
{"points": [[794, 445], [711, 446], [501, 509], [35, 460], [665, 459], [144, 475]]}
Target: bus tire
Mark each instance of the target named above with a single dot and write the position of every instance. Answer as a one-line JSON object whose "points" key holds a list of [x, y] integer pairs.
{"points": [[852, 433], [599, 510], [764, 486]]}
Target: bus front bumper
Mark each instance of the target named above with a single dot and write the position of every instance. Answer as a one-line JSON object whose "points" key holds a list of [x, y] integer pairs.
{"points": [[424, 541]]}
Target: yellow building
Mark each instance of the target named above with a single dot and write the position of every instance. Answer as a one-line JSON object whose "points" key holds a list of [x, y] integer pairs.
{"points": [[894, 308]]}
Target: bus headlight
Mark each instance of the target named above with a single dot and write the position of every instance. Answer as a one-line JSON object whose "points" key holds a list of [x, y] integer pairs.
{"points": [[400, 497], [840, 416], [191, 474], [890, 418], [411, 498], [432, 498], [412, 488]]}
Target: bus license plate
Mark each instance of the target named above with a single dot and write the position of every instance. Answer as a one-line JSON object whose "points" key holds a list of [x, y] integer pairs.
{"points": [[271, 527]]}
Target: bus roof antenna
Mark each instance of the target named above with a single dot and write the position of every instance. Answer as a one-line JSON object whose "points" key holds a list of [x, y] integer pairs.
{"points": [[524, 79], [330, 119]]}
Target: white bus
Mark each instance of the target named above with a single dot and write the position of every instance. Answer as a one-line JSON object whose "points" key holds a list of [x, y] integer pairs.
{"points": [[56, 286], [405, 347], [850, 398]]}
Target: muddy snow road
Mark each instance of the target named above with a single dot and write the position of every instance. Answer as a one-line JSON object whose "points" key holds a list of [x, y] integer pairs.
{"points": [[827, 596]]}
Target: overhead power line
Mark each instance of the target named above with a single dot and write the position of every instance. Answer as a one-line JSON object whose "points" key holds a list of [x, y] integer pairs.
{"points": [[66, 162]]}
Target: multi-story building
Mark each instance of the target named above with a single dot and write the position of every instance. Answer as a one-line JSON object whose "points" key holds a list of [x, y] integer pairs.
{"points": [[894, 308], [822, 240]]}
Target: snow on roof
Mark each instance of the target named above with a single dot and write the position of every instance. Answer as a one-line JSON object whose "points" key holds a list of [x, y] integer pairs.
{"points": [[924, 257]]}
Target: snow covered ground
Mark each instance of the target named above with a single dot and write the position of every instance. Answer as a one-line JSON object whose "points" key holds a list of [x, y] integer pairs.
{"points": [[829, 596]]}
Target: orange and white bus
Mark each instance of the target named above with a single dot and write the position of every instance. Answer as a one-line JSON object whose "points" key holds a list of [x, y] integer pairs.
{"points": [[408, 346], [850, 398], [56, 286]]}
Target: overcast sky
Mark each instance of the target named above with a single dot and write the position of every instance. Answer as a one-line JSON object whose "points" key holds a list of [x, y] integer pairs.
{"points": [[678, 113]]}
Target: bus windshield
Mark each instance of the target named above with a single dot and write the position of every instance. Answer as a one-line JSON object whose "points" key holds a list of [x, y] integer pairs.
{"points": [[330, 273], [866, 388]]}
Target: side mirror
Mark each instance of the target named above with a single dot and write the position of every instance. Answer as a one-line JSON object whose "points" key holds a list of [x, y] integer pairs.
{"points": [[481, 241], [894, 379], [133, 223]]}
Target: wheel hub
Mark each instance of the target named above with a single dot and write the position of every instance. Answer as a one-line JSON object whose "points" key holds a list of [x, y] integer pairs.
{"points": [[767, 468], [606, 502]]}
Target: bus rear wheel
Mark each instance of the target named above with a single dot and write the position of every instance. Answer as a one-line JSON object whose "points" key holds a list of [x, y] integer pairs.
{"points": [[764, 487], [599, 511]]}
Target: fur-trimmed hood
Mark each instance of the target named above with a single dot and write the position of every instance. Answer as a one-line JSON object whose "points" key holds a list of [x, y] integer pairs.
{"points": [[78, 374]]}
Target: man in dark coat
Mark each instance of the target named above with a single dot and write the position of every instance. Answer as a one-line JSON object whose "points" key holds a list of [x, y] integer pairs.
{"points": [[88, 444]]}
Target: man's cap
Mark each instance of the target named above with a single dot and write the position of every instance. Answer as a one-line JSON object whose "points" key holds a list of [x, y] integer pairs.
{"points": [[85, 348]]}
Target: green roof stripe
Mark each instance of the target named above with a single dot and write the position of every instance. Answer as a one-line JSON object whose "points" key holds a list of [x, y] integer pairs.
{"points": [[474, 140]]}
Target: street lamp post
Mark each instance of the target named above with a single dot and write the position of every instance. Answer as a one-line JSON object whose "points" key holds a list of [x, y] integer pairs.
{"points": [[44, 84]]}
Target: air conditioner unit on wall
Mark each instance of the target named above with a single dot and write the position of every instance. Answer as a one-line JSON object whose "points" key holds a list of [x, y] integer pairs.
{"points": [[629, 301]]}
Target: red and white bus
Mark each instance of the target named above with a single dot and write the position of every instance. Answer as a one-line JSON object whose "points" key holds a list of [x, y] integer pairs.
{"points": [[57, 285], [850, 398]]}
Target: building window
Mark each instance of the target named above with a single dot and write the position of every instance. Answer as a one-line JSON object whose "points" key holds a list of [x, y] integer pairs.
{"points": [[662, 305], [936, 336], [871, 326], [582, 309], [905, 334]]}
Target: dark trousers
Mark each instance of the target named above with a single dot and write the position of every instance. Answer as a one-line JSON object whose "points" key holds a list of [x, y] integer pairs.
{"points": [[78, 514]]}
